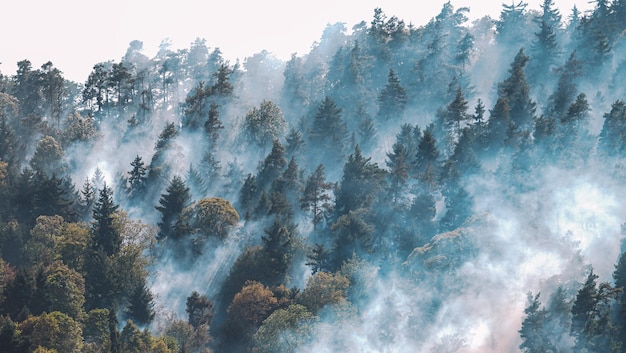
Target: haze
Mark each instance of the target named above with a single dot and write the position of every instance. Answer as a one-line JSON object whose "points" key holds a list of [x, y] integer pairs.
{"points": [[75, 34]]}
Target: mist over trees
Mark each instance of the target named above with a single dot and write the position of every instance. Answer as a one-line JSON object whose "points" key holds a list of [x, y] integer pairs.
{"points": [[438, 187]]}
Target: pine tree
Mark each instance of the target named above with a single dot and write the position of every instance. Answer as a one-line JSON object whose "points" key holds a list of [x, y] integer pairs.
{"points": [[212, 125], [566, 88], [612, 139], [172, 203], [105, 235], [392, 99], [199, 310], [140, 307], [398, 170], [427, 157], [273, 165], [315, 197], [295, 142], [137, 175], [533, 332], [328, 129], [87, 198], [510, 28], [545, 49], [319, 259], [248, 195], [360, 184], [278, 244], [516, 91]]}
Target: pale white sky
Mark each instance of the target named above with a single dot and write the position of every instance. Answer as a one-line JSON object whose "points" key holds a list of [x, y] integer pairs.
{"points": [[76, 34]]}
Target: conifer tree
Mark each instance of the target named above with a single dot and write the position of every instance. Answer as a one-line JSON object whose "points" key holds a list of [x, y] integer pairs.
{"points": [[105, 235], [140, 307], [398, 172], [392, 99], [273, 165], [516, 91], [199, 310], [137, 175], [171, 204], [533, 331], [328, 129], [212, 125], [248, 195], [360, 184], [315, 197]]}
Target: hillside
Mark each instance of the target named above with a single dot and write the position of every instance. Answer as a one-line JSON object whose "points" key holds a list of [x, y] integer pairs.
{"points": [[448, 187]]}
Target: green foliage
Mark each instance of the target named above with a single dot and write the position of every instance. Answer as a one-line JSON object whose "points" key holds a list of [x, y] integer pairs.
{"points": [[264, 124], [324, 289], [171, 204], [199, 310], [285, 330], [533, 333], [48, 157], [105, 236], [315, 196], [208, 217], [55, 331], [392, 99], [64, 290], [360, 184]]}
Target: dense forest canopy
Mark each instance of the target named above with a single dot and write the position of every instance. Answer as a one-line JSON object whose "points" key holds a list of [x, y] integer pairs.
{"points": [[448, 187]]}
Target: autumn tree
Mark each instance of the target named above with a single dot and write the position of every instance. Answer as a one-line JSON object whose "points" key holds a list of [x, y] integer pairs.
{"points": [[249, 308]]}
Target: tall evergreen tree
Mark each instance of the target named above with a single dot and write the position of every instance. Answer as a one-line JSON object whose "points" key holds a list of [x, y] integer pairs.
{"points": [[199, 310], [105, 235], [533, 332], [612, 139], [398, 172], [392, 99], [328, 129], [137, 175], [171, 204], [315, 197], [360, 184], [272, 166], [140, 307], [212, 125], [565, 91], [516, 91]]}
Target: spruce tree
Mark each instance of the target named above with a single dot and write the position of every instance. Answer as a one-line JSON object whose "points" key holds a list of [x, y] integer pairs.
{"points": [[392, 99], [315, 197], [171, 204], [137, 175], [105, 235]]}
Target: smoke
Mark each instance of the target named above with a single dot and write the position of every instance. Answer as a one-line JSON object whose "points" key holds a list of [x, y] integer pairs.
{"points": [[466, 289]]}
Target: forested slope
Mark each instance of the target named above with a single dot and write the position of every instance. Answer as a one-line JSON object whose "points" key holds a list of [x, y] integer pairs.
{"points": [[447, 187]]}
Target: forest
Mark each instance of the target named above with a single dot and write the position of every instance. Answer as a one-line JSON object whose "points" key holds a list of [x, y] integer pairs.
{"points": [[442, 187]]}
